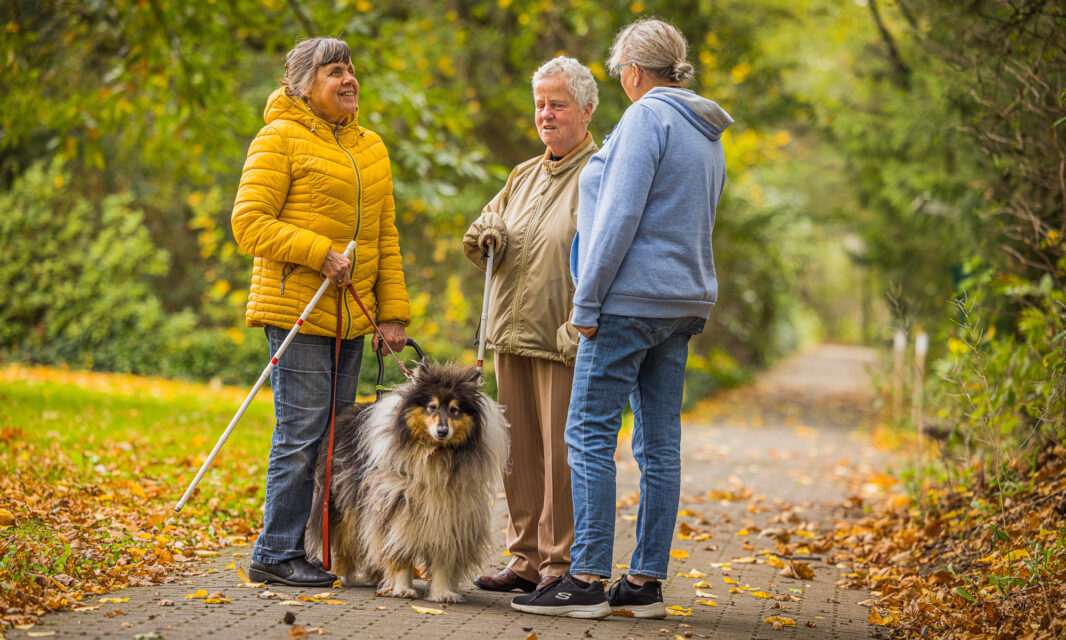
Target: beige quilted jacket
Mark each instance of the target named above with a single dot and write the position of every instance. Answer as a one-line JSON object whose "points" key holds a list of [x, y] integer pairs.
{"points": [[532, 220]]}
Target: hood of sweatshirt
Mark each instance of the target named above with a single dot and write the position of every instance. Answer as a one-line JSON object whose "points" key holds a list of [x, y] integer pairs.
{"points": [[710, 119]]}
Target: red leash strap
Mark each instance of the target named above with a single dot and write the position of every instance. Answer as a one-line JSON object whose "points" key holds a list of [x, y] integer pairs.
{"points": [[332, 421]]}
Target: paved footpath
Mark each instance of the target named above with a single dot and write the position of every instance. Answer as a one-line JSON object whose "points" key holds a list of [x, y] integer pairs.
{"points": [[780, 454]]}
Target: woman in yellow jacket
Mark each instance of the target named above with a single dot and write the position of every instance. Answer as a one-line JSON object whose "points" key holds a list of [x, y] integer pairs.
{"points": [[314, 180]]}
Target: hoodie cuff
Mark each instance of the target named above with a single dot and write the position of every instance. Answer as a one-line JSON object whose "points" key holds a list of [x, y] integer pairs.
{"points": [[586, 316]]}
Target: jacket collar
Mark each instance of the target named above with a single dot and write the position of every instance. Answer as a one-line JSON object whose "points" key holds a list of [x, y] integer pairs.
{"points": [[584, 148], [281, 106]]}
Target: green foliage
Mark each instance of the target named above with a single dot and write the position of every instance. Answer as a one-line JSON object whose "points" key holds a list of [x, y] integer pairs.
{"points": [[78, 275], [1004, 392]]}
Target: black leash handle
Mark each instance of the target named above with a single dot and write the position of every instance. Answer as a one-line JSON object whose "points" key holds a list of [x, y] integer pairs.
{"points": [[380, 389]]}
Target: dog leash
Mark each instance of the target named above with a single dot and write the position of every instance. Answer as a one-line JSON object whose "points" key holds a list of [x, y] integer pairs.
{"points": [[333, 407]]}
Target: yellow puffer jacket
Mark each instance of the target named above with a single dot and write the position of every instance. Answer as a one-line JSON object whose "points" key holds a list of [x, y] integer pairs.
{"points": [[307, 187]]}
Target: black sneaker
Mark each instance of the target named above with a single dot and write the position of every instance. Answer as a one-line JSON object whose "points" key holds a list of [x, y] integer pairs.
{"points": [[645, 601], [568, 597]]}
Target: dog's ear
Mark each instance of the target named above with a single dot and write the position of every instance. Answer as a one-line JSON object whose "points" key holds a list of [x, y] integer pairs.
{"points": [[472, 375], [419, 368]]}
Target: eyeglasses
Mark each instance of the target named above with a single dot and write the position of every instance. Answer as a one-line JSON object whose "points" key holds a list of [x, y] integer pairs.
{"points": [[618, 67]]}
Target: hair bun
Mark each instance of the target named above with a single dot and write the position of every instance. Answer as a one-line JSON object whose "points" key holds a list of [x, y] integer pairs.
{"points": [[682, 71]]}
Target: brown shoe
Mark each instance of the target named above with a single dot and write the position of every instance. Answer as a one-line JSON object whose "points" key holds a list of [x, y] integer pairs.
{"points": [[505, 580], [546, 580]]}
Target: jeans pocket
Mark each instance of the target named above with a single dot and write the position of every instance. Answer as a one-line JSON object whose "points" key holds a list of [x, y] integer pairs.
{"points": [[644, 325], [691, 326]]}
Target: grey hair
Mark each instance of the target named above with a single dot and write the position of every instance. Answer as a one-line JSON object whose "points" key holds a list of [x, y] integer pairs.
{"points": [[656, 47], [579, 80], [303, 60]]}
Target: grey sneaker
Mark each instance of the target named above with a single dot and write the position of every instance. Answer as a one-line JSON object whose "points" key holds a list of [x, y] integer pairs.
{"points": [[645, 601], [567, 597]]}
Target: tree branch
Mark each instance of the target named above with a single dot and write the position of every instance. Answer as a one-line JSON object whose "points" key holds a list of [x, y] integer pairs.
{"points": [[902, 70]]}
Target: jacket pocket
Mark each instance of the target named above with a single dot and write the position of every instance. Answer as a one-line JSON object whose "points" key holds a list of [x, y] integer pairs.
{"points": [[286, 271], [566, 341]]}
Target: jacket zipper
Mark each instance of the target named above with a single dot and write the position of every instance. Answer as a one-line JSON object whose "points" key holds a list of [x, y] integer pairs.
{"points": [[525, 254], [358, 216]]}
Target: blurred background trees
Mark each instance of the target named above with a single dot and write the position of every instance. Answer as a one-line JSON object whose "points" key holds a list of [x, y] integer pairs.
{"points": [[889, 159]]}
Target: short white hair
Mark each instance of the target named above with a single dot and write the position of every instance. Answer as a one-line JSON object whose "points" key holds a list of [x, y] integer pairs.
{"points": [[579, 80]]}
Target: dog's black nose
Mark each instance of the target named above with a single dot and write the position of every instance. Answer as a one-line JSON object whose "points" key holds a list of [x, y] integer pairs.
{"points": [[442, 431]]}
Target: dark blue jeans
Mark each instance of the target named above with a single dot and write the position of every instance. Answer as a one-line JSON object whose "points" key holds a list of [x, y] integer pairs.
{"points": [[302, 382], [641, 360]]}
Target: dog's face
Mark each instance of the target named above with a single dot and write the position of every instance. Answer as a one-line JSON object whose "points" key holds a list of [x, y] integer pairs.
{"points": [[442, 408]]}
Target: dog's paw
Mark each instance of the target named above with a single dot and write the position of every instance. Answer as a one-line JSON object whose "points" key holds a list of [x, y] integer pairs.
{"points": [[444, 596], [397, 592]]}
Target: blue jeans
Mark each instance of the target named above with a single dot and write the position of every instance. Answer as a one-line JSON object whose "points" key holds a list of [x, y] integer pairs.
{"points": [[302, 382], [642, 359]]}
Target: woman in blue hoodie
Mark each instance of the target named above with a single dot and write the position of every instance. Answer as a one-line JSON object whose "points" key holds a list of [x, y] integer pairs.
{"points": [[645, 284]]}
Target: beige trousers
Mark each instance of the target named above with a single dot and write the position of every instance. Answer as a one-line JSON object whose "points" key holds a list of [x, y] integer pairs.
{"points": [[535, 394]]}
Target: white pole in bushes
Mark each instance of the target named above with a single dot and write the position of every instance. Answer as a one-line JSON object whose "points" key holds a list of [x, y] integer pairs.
{"points": [[258, 384], [921, 348]]}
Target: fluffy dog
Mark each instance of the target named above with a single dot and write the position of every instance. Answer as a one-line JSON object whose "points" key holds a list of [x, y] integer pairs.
{"points": [[413, 478]]}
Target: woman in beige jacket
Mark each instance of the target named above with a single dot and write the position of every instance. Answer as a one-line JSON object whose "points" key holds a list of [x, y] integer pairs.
{"points": [[531, 224]]}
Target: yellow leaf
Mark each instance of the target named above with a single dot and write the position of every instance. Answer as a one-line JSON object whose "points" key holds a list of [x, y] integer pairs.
{"points": [[118, 600], [700, 584], [1018, 553], [332, 601], [785, 622], [7, 519], [505, 551], [679, 554], [245, 581], [775, 562], [884, 620], [202, 593], [762, 594], [621, 566], [86, 608], [216, 600], [743, 532], [729, 580], [427, 610], [676, 610], [709, 603]]}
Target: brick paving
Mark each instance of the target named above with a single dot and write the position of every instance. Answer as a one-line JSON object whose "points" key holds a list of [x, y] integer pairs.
{"points": [[788, 444]]}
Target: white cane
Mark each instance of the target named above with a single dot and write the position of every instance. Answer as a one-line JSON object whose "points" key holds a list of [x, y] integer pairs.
{"points": [[259, 383], [485, 309]]}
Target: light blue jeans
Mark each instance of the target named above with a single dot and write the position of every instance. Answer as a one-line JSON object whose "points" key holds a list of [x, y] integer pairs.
{"points": [[302, 382], [642, 360]]}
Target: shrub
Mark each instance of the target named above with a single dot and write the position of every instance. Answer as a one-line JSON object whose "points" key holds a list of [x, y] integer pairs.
{"points": [[77, 276]]}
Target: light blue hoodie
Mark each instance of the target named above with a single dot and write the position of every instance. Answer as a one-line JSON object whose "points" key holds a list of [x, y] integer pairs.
{"points": [[646, 211]]}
